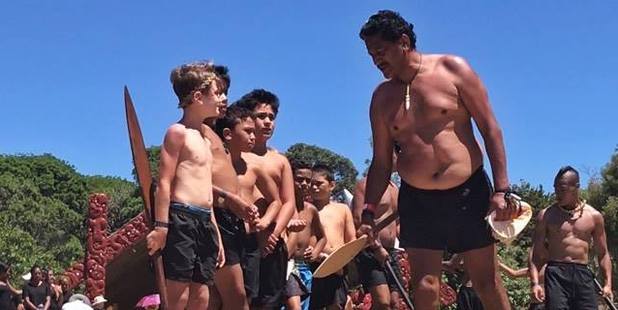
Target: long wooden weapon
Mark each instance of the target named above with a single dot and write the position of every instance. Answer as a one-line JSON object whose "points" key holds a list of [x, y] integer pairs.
{"points": [[144, 180]]}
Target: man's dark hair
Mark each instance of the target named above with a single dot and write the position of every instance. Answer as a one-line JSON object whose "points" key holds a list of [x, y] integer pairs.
{"points": [[4, 267], [233, 116], [299, 164], [259, 96], [324, 170], [224, 74], [563, 171], [389, 25]]}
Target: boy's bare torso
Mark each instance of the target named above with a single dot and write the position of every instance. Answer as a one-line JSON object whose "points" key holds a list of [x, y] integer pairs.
{"points": [[335, 218], [438, 148], [193, 171], [305, 237], [223, 173]]}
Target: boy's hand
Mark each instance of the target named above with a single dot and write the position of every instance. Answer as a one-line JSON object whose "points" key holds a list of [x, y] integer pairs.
{"points": [[297, 225], [261, 224], [309, 255], [271, 242], [155, 240], [221, 257]]}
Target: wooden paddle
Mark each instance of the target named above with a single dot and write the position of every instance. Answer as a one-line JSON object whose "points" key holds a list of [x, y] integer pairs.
{"points": [[345, 253], [144, 180]]}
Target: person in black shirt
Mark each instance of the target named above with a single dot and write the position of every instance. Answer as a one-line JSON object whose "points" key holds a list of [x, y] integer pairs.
{"points": [[36, 294], [7, 293]]}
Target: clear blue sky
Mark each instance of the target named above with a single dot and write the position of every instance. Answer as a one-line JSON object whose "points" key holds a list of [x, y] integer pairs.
{"points": [[550, 68]]}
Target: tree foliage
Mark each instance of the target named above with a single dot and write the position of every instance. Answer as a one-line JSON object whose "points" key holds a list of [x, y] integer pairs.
{"points": [[345, 173], [43, 208]]}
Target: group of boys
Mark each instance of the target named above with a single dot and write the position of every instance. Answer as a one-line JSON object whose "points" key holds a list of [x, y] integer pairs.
{"points": [[231, 214]]}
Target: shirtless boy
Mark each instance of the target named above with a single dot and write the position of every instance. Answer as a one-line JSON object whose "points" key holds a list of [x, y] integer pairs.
{"points": [[371, 270], [562, 238], [306, 245], [229, 290], [336, 218], [185, 228], [426, 108], [270, 288]]}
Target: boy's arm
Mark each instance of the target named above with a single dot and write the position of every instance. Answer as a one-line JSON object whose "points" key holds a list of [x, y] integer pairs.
{"points": [[512, 273], [538, 256], [221, 254], [286, 193], [269, 190], [600, 244], [318, 230], [170, 152]]}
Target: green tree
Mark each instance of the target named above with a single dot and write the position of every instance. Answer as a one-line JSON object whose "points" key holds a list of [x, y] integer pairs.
{"points": [[345, 173]]}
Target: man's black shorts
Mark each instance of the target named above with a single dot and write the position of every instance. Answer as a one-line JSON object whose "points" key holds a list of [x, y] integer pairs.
{"points": [[191, 249], [569, 286], [232, 231], [451, 219]]}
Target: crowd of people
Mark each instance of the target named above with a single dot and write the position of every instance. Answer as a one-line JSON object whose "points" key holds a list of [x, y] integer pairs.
{"points": [[239, 226], [41, 290]]}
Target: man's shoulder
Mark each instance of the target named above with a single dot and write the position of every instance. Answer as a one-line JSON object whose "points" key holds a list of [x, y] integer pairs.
{"points": [[452, 63]]}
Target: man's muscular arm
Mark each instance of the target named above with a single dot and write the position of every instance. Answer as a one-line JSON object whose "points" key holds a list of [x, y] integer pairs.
{"points": [[358, 202], [538, 257], [600, 244], [382, 159], [474, 96]]}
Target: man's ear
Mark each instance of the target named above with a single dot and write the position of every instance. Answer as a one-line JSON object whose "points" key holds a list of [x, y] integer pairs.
{"points": [[227, 134], [331, 185], [404, 41]]}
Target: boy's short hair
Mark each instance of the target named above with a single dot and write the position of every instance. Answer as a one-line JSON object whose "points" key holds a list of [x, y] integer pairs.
{"points": [[259, 96], [297, 164], [324, 170], [224, 74], [233, 116], [192, 77]]}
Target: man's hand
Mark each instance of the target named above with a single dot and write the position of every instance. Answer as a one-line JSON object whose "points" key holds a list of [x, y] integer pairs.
{"points": [[607, 292], [380, 254], [504, 210], [155, 240], [538, 293], [261, 224]]}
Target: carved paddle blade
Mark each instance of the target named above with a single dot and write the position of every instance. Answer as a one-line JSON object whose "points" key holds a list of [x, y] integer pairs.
{"points": [[144, 179], [140, 157]]}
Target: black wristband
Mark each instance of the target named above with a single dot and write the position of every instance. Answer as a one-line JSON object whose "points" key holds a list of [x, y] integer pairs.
{"points": [[161, 224]]}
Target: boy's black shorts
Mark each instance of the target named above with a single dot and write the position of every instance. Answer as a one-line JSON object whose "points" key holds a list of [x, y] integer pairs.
{"points": [[191, 249]]}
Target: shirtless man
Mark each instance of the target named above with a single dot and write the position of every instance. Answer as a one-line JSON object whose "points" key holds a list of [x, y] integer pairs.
{"points": [[229, 290], [371, 270], [306, 245], [185, 228], [268, 292], [562, 238], [426, 108], [336, 218]]}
